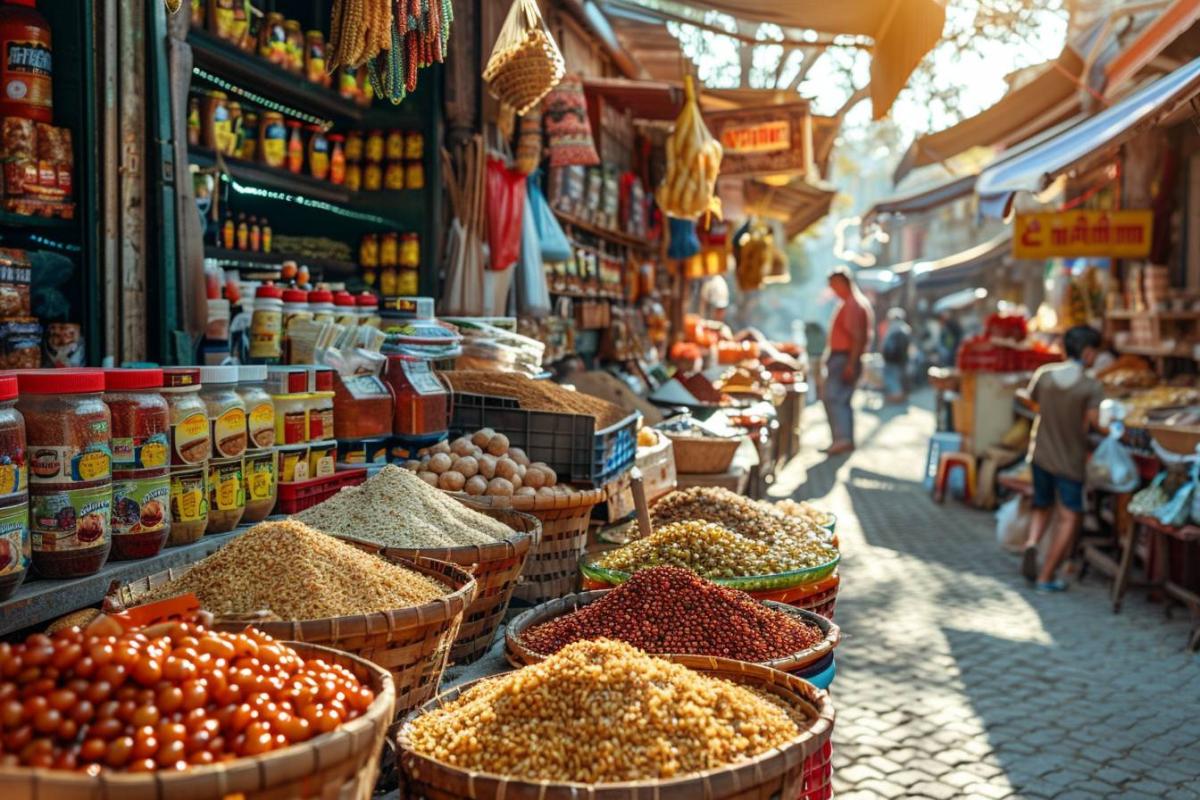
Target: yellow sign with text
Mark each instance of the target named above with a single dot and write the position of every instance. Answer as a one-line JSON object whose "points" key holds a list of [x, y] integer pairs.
{"points": [[1097, 234]]}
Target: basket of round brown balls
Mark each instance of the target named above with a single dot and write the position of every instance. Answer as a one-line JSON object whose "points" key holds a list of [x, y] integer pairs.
{"points": [[668, 610], [486, 470], [155, 712], [602, 719]]}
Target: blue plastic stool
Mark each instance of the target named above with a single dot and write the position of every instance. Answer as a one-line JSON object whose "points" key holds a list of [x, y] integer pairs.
{"points": [[942, 443]]}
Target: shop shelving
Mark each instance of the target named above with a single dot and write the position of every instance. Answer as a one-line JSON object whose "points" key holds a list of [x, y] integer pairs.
{"points": [[616, 237], [266, 177], [11, 220], [241, 259]]}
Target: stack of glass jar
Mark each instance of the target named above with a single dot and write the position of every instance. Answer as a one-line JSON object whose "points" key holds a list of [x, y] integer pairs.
{"points": [[15, 552], [141, 433]]}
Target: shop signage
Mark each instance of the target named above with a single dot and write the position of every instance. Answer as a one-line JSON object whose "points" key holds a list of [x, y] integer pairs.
{"points": [[1097, 234], [764, 141]]}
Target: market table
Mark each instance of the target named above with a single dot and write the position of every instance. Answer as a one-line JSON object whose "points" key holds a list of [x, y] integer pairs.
{"points": [[1160, 575]]}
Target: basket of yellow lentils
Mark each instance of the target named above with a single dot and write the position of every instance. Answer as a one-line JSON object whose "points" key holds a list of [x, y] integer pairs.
{"points": [[603, 719]]}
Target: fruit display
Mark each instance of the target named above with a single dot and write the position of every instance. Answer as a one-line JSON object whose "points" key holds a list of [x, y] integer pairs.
{"points": [[693, 163]]}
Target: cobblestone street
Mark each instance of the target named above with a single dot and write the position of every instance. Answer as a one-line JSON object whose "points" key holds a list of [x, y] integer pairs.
{"points": [[955, 679]]}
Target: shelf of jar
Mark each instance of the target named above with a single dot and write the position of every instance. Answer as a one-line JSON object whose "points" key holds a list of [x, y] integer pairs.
{"points": [[245, 259]]}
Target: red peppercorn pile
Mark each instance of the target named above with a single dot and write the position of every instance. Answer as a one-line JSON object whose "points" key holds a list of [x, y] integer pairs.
{"points": [[673, 610], [165, 697]]}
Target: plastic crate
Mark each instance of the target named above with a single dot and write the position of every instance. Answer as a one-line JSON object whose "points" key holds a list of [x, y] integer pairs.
{"points": [[292, 498], [569, 443]]}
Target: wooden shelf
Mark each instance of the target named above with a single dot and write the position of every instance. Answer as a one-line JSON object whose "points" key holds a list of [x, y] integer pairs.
{"points": [[258, 75], [241, 259], [616, 237], [271, 178]]}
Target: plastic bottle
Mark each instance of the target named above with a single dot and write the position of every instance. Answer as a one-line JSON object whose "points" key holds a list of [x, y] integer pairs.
{"points": [[26, 64]]}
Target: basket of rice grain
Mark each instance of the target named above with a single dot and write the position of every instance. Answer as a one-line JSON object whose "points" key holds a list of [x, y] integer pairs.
{"points": [[399, 516], [609, 722], [293, 582]]}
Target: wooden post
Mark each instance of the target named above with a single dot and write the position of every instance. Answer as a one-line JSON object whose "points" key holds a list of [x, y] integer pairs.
{"points": [[131, 81]]}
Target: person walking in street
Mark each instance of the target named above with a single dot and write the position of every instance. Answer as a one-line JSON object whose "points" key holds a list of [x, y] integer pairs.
{"points": [[896, 339], [814, 346], [849, 335], [950, 334], [1067, 401]]}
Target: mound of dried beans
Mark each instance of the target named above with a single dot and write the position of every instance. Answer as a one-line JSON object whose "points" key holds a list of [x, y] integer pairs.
{"points": [[672, 610]]}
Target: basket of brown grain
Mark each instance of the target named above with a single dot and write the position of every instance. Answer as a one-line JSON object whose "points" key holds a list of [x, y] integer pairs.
{"points": [[296, 583]]}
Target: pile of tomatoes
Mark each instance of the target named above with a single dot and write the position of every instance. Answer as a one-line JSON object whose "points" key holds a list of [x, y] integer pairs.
{"points": [[167, 696]]}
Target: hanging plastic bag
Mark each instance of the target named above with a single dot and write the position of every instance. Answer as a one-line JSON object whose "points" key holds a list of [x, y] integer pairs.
{"points": [[555, 244], [505, 208], [1012, 525], [1111, 467], [1179, 508], [693, 163], [533, 295], [1152, 498]]}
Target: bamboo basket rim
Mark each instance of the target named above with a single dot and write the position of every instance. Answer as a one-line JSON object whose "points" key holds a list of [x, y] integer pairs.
{"points": [[235, 777], [764, 766], [516, 542], [558, 502], [440, 608], [552, 609]]}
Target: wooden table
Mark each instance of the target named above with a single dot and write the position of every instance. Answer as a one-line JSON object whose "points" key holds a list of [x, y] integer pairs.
{"points": [[1161, 572]]}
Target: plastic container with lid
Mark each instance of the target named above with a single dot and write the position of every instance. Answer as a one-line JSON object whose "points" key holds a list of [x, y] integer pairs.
{"points": [[288, 387], [368, 310], [345, 309], [15, 552], [226, 411], [260, 409], [295, 311], [266, 325], [363, 407], [261, 485], [226, 494], [26, 70], [141, 446], [191, 440], [320, 303], [68, 428]]}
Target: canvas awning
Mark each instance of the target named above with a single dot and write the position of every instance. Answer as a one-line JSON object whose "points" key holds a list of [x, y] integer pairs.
{"points": [[797, 205], [921, 200], [1048, 98], [1035, 169], [964, 265], [1172, 34]]}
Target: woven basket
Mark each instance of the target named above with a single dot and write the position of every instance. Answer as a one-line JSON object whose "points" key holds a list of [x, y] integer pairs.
{"points": [[413, 644], [800, 770], [519, 655], [497, 569], [552, 568], [342, 764], [707, 456]]}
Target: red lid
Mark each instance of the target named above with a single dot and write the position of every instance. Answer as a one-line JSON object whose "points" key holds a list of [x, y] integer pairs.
{"points": [[295, 296], [176, 377], [368, 299], [336, 137], [344, 299], [320, 296], [60, 381], [268, 290], [8, 387], [123, 380]]}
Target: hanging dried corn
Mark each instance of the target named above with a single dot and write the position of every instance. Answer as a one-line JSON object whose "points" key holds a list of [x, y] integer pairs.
{"points": [[418, 38], [525, 63], [693, 163], [359, 30]]}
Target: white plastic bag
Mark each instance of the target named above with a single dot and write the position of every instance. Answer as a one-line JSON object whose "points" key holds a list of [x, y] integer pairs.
{"points": [[1012, 525], [1112, 469]]}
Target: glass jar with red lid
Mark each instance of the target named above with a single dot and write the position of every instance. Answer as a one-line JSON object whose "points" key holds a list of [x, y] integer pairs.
{"points": [[14, 492], [141, 452], [69, 432]]}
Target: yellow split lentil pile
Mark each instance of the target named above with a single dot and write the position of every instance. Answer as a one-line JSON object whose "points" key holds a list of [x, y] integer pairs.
{"points": [[598, 712], [395, 508], [712, 551], [295, 573]]}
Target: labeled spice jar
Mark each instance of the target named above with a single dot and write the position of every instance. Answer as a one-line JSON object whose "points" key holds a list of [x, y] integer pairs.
{"points": [[273, 139], [345, 309], [368, 310], [320, 303], [288, 388], [191, 441], [141, 443], [293, 463], [226, 494], [318, 152], [320, 416], [226, 411], [189, 504], [266, 324], [260, 408], [15, 545], [68, 429], [261, 485]]}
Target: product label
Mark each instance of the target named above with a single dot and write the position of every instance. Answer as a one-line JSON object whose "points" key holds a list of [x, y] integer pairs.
{"points": [[421, 377], [224, 137], [140, 505], [321, 462], [261, 424], [260, 477], [28, 66], [191, 437], [15, 544], [292, 427], [316, 426], [189, 496], [226, 485], [229, 432], [140, 452], [266, 334], [14, 476], [274, 144], [63, 464], [293, 466], [70, 519]]}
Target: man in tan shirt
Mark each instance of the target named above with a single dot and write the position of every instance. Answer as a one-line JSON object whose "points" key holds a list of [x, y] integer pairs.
{"points": [[849, 335]]}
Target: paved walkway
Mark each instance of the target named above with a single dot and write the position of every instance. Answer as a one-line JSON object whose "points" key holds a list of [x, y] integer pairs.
{"points": [[955, 680]]}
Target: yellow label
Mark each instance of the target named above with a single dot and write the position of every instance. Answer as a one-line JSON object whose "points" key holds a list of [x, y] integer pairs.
{"points": [[191, 438], [266, 332], [260, 478], [94, 466], [229, 432], [188, 501], [154, 454], [13, 478], [226, 488], [261, 424]]}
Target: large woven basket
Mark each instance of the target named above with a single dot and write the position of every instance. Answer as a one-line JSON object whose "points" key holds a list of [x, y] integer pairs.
{"points": [[519, 655], [800, 770], [413, 644], [342, 764], [695, 455], [497, 569], [552, 568]]}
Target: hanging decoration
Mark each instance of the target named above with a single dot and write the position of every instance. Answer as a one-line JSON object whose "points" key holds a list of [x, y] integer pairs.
{"points": [[759, 261], [525, 62], [693, 163], [393, 38]]}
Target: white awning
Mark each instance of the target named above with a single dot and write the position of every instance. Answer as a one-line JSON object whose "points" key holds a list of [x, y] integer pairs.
{"points": [[1036, 169]]}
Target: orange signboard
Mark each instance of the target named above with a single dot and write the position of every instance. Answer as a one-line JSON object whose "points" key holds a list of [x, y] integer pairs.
{"points": [[1082, 233], [771, 140]]}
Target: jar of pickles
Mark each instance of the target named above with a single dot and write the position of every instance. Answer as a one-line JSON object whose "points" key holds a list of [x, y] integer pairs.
{"points": [[190, 449], [69, 430], [141, 444], [15, 554]]}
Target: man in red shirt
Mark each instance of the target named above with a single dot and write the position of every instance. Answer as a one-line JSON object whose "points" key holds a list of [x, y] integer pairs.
{"points": [[849, 335]]}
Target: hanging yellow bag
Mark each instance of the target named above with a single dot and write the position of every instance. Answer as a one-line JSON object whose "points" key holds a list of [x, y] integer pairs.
{"points": [[693, 163]]}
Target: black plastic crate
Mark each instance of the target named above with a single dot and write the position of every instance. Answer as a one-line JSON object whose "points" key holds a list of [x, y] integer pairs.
{"points": [[569, 443]]}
